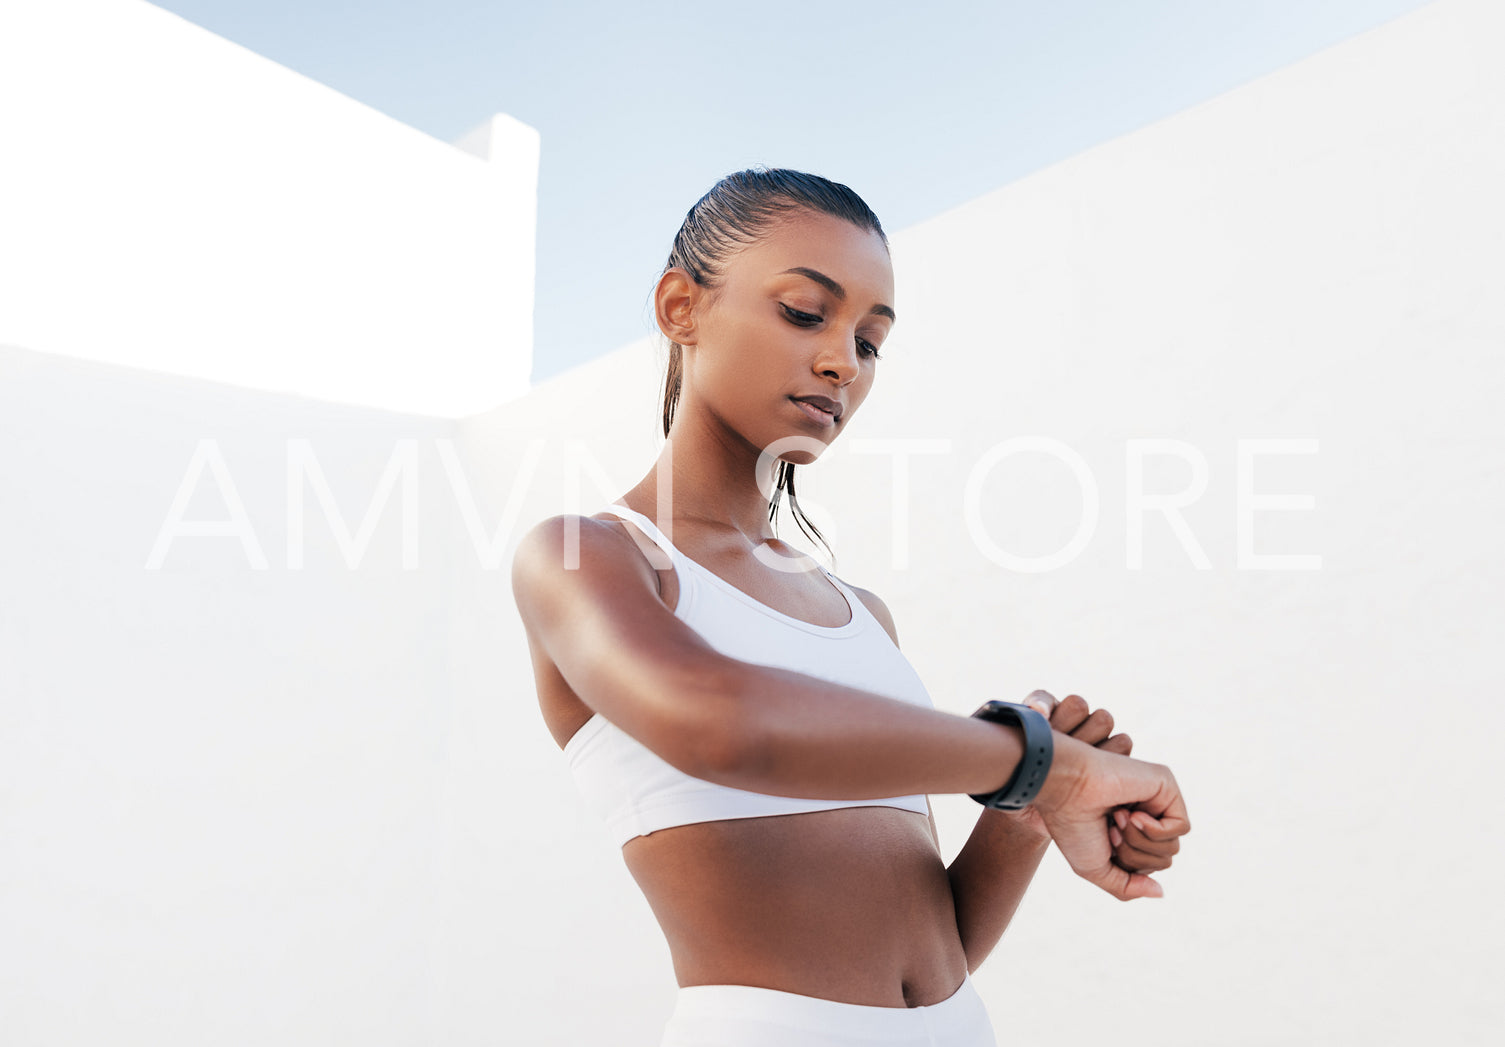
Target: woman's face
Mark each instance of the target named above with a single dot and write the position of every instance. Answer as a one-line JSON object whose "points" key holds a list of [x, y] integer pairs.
{"points": [[786, 345]]}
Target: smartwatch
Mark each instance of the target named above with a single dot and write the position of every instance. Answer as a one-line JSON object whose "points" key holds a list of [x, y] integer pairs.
{"points": [[1021, 789]]}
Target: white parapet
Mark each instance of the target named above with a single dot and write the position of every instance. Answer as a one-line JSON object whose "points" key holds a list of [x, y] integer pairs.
{"points": [[172, 201]]}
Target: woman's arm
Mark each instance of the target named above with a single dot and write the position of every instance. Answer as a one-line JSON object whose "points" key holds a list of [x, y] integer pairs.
{"points": [[755, 727], [989, 877], [775, 731]]}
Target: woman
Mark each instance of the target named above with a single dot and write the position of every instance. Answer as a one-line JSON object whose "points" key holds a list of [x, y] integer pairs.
{"points": [[744, 718]]}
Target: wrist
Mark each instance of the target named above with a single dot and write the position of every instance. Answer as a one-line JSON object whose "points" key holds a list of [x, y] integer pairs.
{"points": [[1069, 771], [1030, 771], [1023, 826]]}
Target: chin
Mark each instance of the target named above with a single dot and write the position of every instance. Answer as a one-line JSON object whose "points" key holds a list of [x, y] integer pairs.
{"points": [[797, 448]]}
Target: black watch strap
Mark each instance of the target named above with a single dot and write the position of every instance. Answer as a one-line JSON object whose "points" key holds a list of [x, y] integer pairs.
{"points": [[1039, 746]]}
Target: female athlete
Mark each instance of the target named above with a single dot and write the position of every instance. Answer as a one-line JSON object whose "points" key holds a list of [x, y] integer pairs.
{"points": [[743, 718]]}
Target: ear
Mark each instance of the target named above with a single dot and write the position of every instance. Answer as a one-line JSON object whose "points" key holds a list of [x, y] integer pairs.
{"points": [[674, 301]]}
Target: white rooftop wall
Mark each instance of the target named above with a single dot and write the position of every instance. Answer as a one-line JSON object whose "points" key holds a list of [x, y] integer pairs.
{"points": [[172, 201], [244, 801], [1314, 257], [221, 751]]}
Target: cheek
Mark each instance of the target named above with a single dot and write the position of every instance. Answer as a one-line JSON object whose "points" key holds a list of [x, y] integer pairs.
{"points": [[746, 353], [737, 377], [860, 389]]}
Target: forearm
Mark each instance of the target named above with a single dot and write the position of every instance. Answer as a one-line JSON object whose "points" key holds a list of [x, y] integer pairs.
{"points": [[801, 736], [989, 877]]}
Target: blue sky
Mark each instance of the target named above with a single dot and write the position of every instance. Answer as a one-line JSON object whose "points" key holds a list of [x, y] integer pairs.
{"points": [[641, 107]]}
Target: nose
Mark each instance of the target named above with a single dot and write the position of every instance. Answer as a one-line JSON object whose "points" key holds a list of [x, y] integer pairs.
{"points": [[838, 358]]}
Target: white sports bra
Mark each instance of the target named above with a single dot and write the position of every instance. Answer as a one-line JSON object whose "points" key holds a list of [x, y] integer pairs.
{"points": [[639, 793]]}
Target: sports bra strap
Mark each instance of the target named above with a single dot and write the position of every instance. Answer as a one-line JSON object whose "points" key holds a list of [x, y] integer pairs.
{"points": [[650, 529]]}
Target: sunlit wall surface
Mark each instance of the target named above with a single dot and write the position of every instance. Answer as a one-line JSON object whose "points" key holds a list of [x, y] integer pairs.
{"points": [[1201, 424], [172, 201]]}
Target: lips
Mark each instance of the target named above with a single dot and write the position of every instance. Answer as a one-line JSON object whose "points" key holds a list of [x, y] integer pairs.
{"points": [[824, 403]]}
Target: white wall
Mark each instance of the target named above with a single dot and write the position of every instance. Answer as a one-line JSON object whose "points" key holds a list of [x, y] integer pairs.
{"points": [[219, 774], [1314, 256], [318, 804], [172, 201]]}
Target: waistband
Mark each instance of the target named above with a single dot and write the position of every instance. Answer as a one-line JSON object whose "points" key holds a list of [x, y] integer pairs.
{"points": [[961, 1019]]}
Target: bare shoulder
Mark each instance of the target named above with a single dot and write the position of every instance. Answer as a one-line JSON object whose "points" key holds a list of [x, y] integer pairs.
{"points": [[591, 605], [575, 553], [878, 608], [564, 542]]}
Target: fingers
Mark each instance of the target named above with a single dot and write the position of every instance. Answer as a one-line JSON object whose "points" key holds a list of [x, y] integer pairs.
{"points": [[1167, 804], [1073, 716], [1128, 883], [1043, 702], [1071, 712], [1134, 860], [1147, 833], [1141, 886], [1096, 728], [1076, 718], [1123, 884], [1142, 843], [1119, 743], [1162, 831]]}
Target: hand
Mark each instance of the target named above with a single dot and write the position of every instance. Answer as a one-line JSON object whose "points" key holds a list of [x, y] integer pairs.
{"points": [[1084, 785], [1073, 717], [1141, 843]]}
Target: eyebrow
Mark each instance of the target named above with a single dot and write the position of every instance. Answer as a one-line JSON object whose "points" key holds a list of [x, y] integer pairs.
{"points": [[836, 288]]}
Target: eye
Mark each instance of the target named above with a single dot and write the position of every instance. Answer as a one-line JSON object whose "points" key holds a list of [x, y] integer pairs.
{"points": [[802, 319]]}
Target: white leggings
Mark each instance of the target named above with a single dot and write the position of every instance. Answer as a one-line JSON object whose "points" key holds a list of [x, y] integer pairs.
{"points": [[751, 1016]]}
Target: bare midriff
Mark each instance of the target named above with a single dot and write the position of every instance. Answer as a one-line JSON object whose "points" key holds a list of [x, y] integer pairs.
{"points": [[851, 904]]}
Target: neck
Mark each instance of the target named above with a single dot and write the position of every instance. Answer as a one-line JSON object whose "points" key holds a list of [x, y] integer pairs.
{"points": [[708, 476]]}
